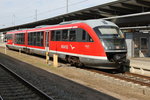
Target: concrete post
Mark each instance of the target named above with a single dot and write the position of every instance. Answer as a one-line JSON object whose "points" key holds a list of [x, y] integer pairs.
{"points": [[47, 57], [55, 60], [19, 51], [5, 49]]}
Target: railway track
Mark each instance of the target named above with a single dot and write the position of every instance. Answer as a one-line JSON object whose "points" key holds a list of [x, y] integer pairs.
{"points": [[145, 81], [1, 98], [14, 87], [135, 78]]}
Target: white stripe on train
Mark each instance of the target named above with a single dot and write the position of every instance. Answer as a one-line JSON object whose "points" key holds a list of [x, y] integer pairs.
{"points": [[72, 54]]}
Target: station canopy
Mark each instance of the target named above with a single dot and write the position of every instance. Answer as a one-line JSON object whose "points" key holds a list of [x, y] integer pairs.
{"points": [[125, 13]]}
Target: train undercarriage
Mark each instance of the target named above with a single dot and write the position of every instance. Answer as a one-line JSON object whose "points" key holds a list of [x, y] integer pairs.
{"points": [[119, 60]]}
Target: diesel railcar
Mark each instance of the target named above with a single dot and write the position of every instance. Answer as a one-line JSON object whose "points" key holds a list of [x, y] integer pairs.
{"points": [[96, 43]]}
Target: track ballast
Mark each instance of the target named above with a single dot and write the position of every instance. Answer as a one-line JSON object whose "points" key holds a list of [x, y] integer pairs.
{"points": [[14, 87]]}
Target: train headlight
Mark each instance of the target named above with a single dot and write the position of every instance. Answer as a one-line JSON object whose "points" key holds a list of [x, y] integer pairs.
{"points": [[109, 47], [117, 47]]}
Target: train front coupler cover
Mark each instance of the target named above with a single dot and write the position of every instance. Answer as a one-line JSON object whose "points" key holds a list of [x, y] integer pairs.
{"points": [[122, 62]]}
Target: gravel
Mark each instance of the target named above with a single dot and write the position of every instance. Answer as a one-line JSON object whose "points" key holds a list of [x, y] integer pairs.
{"points": [[54, 85]]}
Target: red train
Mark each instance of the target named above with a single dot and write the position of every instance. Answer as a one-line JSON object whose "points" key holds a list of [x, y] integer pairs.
{"points": [[97, 43]]}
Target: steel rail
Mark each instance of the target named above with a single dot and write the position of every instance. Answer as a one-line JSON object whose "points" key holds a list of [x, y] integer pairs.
{"points": [[121, 77], [26, 83], [1, 98], [138, 75]]}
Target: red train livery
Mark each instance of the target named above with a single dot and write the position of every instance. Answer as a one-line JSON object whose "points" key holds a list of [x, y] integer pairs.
{"points": [[96, 43]]}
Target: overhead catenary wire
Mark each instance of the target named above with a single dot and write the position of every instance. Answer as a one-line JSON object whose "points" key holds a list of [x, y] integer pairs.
{"points": [[35, 16]]}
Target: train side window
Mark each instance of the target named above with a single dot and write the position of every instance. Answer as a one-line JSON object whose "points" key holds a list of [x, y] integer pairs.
{"points": [[19, 38], [29, 38], [58, 35], [22, 38], [35, 38], [41, 38], [89, 39], [38, 39], [9, 36], [72, 35], [83, 35], [15, 38], [65, 35], [86, 37], [52, 35]]}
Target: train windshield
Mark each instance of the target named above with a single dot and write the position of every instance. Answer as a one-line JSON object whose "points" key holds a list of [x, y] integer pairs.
{"points": [[109, 32], [111, 37]]}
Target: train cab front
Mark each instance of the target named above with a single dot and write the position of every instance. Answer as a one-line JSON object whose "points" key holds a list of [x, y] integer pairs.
{"points": [[115, 47]]}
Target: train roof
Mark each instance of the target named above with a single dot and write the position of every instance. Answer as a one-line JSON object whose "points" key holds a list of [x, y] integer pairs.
{"points": [[92, 23]]}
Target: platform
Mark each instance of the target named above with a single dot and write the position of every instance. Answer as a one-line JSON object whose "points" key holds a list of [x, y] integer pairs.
{"points": [[2, 44], [140, 65]]}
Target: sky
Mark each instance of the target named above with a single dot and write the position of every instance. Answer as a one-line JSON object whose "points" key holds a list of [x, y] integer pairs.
{"points": [[16, 12]]}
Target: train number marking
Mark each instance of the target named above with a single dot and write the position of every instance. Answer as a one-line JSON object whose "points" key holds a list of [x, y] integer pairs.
{"points": [[64, 46], [87, 46]]}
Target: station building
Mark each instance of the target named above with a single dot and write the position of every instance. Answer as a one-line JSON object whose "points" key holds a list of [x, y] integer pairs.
{"points": [[132, 16], [138, 42], [1, 37]]}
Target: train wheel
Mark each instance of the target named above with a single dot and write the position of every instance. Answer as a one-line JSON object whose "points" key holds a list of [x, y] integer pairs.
{"points": [[74, 61], [70, 59], [78, 63], [28, 51]]}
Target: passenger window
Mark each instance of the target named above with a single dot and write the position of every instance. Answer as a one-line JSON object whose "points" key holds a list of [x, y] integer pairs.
{"points": [[9, 36], [52, 36], [39, 40], [58, 36], [89, 39], [35, 38], [72, 35], [83, 35], [19, 38], [65, 35], [42, 38], [34, 41], [86, 37], [77, 34]]}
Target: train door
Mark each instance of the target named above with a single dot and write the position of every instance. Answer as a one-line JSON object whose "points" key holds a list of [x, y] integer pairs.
{"points": [[143, 46], [136, 47], [13, 38], [86, 42], [47, 33]]}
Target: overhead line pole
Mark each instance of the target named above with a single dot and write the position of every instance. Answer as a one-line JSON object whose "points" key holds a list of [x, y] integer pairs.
{"points": [[13, 19], [35, 14], [66, 6]]}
